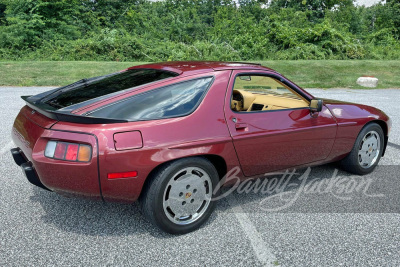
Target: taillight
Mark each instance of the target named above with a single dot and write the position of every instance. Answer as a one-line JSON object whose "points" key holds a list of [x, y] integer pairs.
{"points": [[68, 151]]}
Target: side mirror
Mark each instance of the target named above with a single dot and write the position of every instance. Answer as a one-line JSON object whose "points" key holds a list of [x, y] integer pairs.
{"points": [[316, 105], [245, 78]]}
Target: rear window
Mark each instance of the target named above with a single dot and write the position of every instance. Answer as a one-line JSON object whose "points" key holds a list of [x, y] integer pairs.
{"points": [[96, 87], [166, 102]]}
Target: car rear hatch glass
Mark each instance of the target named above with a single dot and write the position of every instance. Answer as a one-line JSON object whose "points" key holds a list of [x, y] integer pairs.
{"points": [[59, 103]]}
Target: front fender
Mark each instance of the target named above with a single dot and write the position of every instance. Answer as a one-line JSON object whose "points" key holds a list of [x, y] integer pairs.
{"points": [[351, 118]]}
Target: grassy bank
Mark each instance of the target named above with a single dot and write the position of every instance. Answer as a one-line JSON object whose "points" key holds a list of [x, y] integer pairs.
{"points": [[306, 73]]}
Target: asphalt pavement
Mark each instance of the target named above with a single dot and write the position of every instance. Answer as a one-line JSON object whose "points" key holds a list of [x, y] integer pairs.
{"points": [[355, 223]]}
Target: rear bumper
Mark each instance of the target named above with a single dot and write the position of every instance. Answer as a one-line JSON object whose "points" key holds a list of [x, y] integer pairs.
{"points": [[27, 168], [31, 132]]}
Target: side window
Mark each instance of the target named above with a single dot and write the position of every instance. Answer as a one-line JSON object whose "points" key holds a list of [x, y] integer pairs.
{"points": [[170, 101], [263, 93]]}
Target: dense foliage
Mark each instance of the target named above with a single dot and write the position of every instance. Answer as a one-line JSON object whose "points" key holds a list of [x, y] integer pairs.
{"points": [[197, 29]]}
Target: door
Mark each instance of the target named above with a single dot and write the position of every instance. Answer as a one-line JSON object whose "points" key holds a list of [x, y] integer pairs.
{"points": [[271, 124]]}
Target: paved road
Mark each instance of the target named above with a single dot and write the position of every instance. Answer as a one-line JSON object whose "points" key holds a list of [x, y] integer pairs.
{"points": [[317, 228]]}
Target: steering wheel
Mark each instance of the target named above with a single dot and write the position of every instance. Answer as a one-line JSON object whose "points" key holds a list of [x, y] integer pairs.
{"points": [[237, 101], [242, 100]]}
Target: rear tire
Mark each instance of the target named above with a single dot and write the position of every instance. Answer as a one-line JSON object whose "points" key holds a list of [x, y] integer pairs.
{"points": [[178, 198], [366, 152]]}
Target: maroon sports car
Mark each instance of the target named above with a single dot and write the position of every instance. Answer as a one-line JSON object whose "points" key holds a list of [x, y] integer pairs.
{"points": [[167, 133]]}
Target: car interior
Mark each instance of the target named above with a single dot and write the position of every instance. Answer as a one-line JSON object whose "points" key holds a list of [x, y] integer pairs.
{"points": [[263, 93]]}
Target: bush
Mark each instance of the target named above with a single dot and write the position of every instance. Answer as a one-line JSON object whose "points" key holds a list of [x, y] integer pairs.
{"points": [[136, 30]]}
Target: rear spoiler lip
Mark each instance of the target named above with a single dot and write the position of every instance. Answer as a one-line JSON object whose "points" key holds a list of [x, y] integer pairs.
{"points": [[68, 117]]}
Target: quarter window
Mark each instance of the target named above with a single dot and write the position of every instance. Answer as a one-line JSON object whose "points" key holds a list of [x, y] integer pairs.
{"points": [[166, 102]]}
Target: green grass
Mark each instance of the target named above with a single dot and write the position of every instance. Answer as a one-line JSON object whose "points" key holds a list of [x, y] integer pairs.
{"points": [[306, 73], [338, 73]]}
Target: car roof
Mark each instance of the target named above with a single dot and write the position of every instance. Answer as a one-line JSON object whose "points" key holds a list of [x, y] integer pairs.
{"points": [[186, 67]]}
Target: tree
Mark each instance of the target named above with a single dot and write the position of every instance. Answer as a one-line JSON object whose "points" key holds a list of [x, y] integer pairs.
{"points": [[317, 7], [387, 15]]}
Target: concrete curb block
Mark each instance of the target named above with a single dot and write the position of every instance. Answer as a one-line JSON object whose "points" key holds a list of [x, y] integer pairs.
{"points": [[368, 81]]}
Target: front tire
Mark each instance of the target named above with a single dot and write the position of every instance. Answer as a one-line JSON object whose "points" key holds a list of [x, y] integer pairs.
{"points": [[178, 198], [366, 152]]}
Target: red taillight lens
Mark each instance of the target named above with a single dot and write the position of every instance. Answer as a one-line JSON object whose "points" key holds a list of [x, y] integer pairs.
{"points": [[68, 151], [72, 152], [117, 175], [61, 148]]}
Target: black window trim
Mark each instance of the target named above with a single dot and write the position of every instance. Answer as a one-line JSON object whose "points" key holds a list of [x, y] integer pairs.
{"points": [[275, 76], [87, 114]]}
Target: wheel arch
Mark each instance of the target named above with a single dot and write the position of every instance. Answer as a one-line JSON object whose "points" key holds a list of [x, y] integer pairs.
{"points": [[385, 130], [216, 160]]}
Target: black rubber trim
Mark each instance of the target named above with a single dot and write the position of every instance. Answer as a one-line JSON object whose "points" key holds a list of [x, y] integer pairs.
{"points": [[18, 156], [31, 175]]}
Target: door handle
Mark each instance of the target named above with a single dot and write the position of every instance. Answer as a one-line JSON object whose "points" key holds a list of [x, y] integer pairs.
{"points": [[240, 125]]}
